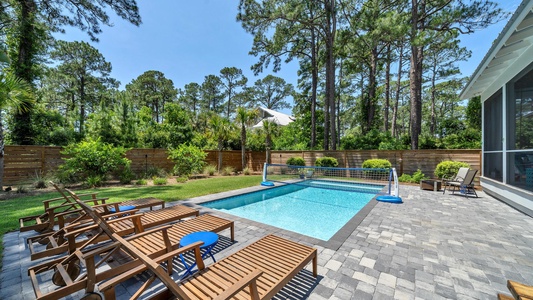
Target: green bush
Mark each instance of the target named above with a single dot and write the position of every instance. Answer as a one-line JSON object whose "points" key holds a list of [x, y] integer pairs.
{"points": [[405, 178], [92, 160], [415, 178], [160, 181], [126, 176], [188, 160], [227, 171], [210, 170], [449, 168], [94, 181], [141, 182], [377, 163], [418, 176], [247, 171], [326, 162], [296, 161], [154, 171], [182, 179]]}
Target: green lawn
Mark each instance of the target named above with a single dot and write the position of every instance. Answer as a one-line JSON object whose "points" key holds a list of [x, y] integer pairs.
{"points": [[14, 209]]}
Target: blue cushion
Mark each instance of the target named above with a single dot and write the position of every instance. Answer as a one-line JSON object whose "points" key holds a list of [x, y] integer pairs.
{"points": [[122, 208]]}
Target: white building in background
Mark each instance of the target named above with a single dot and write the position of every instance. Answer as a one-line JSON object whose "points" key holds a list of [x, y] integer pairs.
{"points": [[273, 116], [504, 81]]}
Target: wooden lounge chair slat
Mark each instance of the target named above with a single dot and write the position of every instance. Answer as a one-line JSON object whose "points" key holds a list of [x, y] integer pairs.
{"points": [[236, 261]]}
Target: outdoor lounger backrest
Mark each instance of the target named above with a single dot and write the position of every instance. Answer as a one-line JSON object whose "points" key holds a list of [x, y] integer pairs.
{"points": [[461, 174]]}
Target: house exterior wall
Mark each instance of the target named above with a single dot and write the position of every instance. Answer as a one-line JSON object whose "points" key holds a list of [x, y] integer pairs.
{"points": [[507, 152]]}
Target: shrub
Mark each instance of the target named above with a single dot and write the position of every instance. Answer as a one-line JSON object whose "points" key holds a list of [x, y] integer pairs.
{"points": [[377, 163], [92, 160], [94, 181], [39, 181], [227, 171], [126, 176], [188, 160], [182, 179], [154, 171], [160, 181], [405, 178], [210, 170], [326, 162], [141, 182], [449, 168], [22, 189], [418, 176], [296, 161], [247, 171], [415, 178]]}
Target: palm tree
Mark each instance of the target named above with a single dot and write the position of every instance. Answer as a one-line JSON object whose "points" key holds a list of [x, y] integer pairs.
{"points": [[221, 128], [271, 129], [15, 93], [245, 117]]}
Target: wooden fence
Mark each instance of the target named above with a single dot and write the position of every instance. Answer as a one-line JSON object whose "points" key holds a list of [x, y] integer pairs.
{"points": [[23, 163]]}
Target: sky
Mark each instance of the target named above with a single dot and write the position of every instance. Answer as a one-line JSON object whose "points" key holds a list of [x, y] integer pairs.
{"points": [[188, 40]]}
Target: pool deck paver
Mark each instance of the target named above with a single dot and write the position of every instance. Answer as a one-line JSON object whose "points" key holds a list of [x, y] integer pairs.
{"points": [[433, 246]]}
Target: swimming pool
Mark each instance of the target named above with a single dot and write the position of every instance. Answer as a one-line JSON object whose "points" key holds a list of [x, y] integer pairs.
{"points": [[308, 210]]}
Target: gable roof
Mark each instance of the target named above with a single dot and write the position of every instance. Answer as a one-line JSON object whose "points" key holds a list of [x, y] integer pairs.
{"points": [[505, 59], [274, 116]]}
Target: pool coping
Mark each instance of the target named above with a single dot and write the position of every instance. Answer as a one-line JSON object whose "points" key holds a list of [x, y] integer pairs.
{"points": [[334, 243]]}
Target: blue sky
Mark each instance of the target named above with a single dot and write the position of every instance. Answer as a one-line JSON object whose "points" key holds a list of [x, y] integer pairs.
{"points": [[187, 40]]}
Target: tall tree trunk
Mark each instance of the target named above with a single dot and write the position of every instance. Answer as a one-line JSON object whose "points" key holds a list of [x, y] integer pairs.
{"points": [[82, 104], [415, 74], [22, 131], [387, 90], [398, 90], [220, 146], [243, 146], [432, 126], [330, 71], [314, 86], [371, 107], [1, 154]]}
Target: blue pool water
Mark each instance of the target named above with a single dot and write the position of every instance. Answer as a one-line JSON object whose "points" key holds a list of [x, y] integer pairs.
{"points": [[312, 211]]}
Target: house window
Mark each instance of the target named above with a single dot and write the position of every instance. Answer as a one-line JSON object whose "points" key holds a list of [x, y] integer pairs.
{"points": [[492, 141], [520, 130]]}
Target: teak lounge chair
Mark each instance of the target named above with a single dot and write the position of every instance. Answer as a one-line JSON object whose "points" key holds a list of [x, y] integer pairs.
{"points": [[65, 239], [459, 177], [258, 271], [466, 186], [154, 243], [46, 221]]}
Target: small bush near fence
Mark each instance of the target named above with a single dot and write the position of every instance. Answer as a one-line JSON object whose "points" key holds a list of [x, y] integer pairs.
{"points": [[449, 168], [326, 162], [188, 159], [415, 178], [377, 164], [296, 161], [92, 161]]}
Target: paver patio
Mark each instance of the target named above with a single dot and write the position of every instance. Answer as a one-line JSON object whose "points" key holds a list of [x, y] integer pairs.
{"points": [[432, 246]]}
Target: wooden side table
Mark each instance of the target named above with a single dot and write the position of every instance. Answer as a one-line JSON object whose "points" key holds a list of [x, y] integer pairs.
{"points": [[431, 185]]}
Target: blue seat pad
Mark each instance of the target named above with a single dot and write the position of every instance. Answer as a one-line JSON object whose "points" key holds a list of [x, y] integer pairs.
{"points": [[123, 208]]}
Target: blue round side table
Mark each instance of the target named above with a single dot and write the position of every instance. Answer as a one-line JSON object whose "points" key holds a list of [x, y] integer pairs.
{"points": [[210, 240]]}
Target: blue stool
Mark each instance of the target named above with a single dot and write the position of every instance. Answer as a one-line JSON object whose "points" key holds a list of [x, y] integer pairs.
{"points": [[210, 240], [122, 208]]}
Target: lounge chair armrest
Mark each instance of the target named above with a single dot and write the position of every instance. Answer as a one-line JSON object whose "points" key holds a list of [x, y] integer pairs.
{"points": [[132, 272], [248, 280]]}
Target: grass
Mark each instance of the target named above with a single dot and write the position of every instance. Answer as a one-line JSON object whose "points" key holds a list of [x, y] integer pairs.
{"points": [[14, 209]]}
